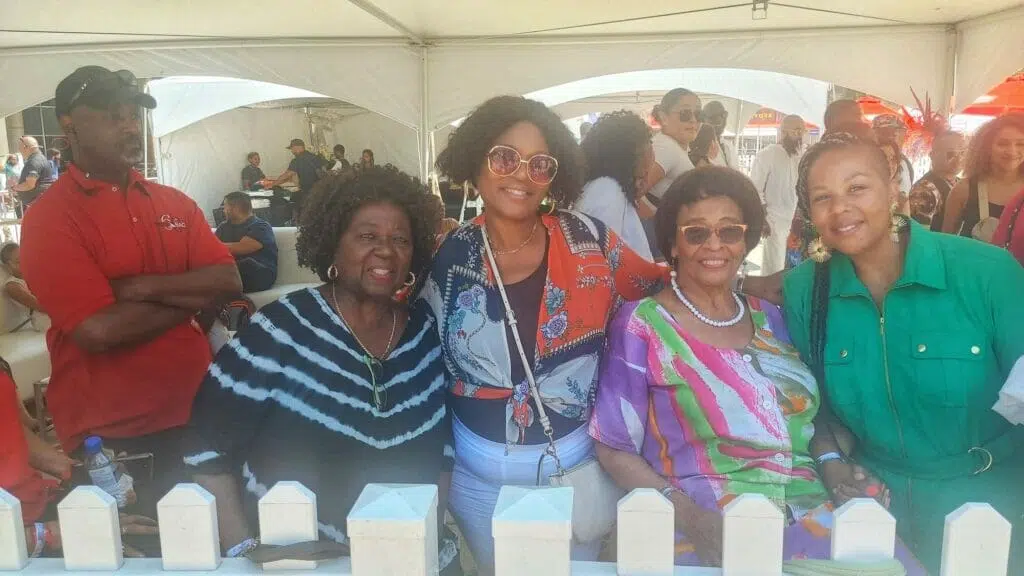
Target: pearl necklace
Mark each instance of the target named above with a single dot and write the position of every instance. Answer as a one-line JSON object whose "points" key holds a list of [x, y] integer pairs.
{"points": [[700, 316], [521, 246]]}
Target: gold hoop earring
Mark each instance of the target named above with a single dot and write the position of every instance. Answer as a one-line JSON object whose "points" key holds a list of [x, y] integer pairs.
{"points": [[818, 251], [332, 272], [552, 206], [411, 281]]}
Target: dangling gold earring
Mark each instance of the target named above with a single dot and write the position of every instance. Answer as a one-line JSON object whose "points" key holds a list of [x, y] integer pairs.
{"points": [[332, 272], [411, 281], [897, 223]]}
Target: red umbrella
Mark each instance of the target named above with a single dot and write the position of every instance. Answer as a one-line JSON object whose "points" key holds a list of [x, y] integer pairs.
{"points": [[1006, 97], [871, 107]]}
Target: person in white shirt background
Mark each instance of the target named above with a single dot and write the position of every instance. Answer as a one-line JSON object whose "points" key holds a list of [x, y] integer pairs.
{"points": [[619, 156], [774, 173], [22, 310], [679, 114], [716, 115]]}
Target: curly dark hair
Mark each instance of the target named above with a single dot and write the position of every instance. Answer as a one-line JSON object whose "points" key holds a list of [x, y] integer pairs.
{"points": [[701, 184], [472, 140], [330, 205], [612, 148], [979, 152]]}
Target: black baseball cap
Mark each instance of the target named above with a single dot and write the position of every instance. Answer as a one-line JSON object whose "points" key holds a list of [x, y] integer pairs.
{"points": [[297, 142], [97, 87]]}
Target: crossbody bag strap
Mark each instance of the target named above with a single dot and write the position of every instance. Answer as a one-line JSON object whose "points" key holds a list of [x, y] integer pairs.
{"points": [[982, 202], [545, 422]]}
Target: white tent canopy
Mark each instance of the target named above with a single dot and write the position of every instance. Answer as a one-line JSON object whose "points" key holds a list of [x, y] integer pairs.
{"points": [[428, 62], [184, 100], [793, 94]]}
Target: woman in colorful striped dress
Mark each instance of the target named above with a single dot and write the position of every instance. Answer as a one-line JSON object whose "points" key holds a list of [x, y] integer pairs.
{"points": [[702, 396]]}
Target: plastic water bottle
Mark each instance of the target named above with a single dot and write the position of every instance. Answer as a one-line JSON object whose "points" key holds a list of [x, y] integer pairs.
{"points": [[103, 471]]}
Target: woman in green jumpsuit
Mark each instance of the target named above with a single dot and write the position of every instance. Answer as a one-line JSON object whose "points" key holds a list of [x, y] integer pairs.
{"points": [[913, 334]]}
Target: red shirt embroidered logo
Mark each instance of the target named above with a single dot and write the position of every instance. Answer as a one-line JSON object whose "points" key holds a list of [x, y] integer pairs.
{"points": [[168, 222]]}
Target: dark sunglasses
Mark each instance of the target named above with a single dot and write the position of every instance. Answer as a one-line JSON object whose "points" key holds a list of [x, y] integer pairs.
{"points": [[379, 395], [127, 79], [950, 154], [505, 160], [687, 115], [727, 234]]}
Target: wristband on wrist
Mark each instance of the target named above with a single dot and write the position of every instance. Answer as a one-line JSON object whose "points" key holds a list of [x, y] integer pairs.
{"points": [[668, 490], [40, 539], [829, 457], [243, 548]]}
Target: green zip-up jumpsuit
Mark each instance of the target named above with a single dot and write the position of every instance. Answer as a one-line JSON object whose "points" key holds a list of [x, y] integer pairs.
{"points": [[915, 381]]}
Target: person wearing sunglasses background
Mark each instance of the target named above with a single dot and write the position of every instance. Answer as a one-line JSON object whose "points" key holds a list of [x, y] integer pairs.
{"points": [[717, 116], [701, 394], [928, 196], [563, 274], [335, 386], [679, 115]]}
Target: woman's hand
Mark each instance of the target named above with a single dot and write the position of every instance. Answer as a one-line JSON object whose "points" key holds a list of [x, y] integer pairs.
{"points": [[846, 481], [703, 529], [136, 526], [765, 287]]}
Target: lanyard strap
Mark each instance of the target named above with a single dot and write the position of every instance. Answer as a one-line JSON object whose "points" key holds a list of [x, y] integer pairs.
{"points": [[545, 422]]}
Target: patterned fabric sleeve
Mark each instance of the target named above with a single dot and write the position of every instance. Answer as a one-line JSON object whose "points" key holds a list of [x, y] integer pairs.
{"points": [[620, 410], [634, 276], [230, 403]]}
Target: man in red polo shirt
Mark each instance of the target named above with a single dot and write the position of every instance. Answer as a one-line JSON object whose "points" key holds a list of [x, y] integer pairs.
{"points": [[122, 265]]}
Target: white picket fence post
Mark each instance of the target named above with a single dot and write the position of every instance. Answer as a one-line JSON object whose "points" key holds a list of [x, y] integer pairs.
{"points": [[288, 516], [532, 531], [976, 540], [13, 551], [189, 537], [863, 531], [752, 537], [90, 530], [646, 534], [392, 530]]}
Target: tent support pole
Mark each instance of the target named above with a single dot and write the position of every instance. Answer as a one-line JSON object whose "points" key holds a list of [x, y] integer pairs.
{"points": [[426, 158], [947, 102]]}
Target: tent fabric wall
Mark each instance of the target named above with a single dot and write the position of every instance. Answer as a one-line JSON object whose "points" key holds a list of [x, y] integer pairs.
{"points": [[391, 142], [379, 76], [886, 62], [205, 160], [989, 49]]}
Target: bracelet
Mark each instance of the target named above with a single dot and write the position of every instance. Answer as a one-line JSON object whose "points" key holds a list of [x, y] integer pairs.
{"points": [[40, 539], [829, 457], [242, 548], [668, 490]]}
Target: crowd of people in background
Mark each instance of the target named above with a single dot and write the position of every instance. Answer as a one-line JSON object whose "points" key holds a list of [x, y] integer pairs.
{"points": [[597, 314]]}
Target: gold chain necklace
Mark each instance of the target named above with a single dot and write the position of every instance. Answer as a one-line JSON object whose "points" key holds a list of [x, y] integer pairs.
{"points": [[521, 246], [391, 339]]}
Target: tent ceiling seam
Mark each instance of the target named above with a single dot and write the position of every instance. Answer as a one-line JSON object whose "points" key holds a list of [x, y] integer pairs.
{"points": [[382, 15]]}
